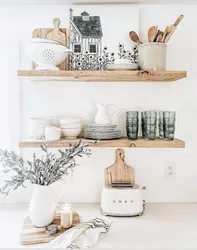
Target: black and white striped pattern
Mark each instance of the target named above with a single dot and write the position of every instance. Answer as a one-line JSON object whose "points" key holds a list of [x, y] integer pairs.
{"points": [[94, 223]]}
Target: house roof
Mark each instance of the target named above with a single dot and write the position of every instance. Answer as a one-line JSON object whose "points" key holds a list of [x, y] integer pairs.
{"points": [[89, 28], [84, 13]]}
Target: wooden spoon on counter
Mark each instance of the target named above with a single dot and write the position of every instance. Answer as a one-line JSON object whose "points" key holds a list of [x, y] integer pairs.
{"points": [[152, 31], [134, 37]]}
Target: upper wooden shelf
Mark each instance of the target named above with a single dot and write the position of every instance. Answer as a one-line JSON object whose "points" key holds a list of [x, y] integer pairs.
{"points": [[103, 76], [123, 142]]}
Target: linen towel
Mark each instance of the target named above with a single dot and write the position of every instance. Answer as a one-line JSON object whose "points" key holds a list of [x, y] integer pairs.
{"points": [[84, 235]]}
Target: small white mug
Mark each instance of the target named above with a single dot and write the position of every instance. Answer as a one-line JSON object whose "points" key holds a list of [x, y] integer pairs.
{"points": [[52, 133]]}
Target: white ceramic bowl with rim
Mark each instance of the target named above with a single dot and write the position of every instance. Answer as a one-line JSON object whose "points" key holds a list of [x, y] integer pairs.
{"points": [[71, 133], [69, 120], [72, 125], [47, 55]]}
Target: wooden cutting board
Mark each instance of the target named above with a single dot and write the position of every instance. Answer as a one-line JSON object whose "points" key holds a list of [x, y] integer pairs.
{"points": [[33, 235], [56, 34], [120, 174]]}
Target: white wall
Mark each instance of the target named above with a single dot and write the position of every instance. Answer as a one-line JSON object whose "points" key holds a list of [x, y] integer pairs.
{"points": [[55, 98]]}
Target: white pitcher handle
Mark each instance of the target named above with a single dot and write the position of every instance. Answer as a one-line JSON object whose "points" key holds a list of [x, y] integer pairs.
{"points": [[112, 105]]}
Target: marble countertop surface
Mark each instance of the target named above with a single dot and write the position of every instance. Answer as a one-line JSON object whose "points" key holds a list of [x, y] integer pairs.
{"points": [[163, 226]]}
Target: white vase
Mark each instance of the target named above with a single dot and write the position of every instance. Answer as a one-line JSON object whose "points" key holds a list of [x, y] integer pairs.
{"points": [[42, 208]]}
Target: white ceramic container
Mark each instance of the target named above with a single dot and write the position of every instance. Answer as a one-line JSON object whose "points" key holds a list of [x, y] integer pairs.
{"points": [[42, 208], [52, 133], [47, 55], [152, 56], [104, 115], [71, 132], [37, 127]]}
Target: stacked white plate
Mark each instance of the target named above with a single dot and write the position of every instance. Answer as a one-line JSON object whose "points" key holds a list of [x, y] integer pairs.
{"points": [[37, 126], [102, 132], [70, 126]]}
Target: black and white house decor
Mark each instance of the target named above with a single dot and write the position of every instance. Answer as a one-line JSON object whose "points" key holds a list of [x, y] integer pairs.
{"points": [[96, 34]]}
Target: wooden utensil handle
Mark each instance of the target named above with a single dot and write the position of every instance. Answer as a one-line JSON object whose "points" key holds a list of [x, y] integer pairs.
{"points": [[56, 22], [178, 20]]}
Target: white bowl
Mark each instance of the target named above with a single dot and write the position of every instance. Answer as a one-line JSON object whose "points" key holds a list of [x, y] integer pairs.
{"points": [[71, 132], [70, 120], [72, 125], [47, 55], [44, 40]]}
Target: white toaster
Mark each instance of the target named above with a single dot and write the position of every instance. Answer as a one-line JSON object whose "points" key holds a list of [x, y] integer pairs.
{"points": [[122, 201]]}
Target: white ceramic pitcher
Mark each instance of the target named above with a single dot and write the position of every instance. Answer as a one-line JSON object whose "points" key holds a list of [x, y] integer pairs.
{"points": [[103, 115]]}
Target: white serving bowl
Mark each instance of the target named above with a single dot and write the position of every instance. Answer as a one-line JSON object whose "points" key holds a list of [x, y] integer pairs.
{"points": [[47, 55], [71, 132]]}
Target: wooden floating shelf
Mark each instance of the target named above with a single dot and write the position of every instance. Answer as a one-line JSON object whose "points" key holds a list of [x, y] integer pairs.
{"points": [[103, 76], [123, 142]]}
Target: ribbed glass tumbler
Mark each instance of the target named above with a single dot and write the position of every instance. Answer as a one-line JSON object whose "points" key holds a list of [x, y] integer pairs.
{"points": [[169, 118], [161, 125], [132, 125], [149, 124]]}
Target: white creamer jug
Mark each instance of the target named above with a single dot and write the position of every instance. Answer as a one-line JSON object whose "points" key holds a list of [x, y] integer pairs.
{"points": [[103, 115]]}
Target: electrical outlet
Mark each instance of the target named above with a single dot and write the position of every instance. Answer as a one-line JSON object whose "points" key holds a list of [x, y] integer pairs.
{"points": [[170, 169]]}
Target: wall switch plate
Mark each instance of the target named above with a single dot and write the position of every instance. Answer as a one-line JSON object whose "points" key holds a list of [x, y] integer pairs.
{"points": [[170, 169]]}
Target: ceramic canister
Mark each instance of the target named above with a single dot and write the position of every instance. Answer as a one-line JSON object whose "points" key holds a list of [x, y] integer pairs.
{"points": [[152, 56]]}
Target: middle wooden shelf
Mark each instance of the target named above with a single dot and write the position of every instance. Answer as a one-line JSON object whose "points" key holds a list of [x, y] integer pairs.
{"points": [[122, 142]]}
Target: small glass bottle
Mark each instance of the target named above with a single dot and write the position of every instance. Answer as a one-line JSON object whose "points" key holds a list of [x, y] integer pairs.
{"points": [[66, 216]]}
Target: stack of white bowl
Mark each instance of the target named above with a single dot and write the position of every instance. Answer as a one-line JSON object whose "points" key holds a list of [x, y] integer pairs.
{"points": [[52, 133], [70, 126], [37, 127]]}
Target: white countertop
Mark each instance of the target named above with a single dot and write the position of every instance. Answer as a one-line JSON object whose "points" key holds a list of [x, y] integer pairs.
{"points": [[163, 226]]}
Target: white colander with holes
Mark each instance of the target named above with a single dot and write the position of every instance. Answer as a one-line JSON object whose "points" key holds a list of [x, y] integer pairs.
{"points": [[47, 55]]}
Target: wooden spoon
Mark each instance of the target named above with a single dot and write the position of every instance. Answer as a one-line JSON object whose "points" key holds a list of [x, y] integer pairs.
{"points": [[178, 20], [171, 31], [157, 34], [152, 33], [172, 28], [165, 34], [160, 37], [134, 37]]}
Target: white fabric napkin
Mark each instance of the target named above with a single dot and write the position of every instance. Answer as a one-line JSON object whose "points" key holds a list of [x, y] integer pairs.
{"points": [[84, 235]]}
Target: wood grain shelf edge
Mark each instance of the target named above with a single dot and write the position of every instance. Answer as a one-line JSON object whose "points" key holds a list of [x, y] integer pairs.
{"points": [[122, 142], [103, 76]]}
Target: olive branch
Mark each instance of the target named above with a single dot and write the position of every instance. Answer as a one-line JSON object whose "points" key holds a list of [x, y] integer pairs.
{"points": [[44, 171]]}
